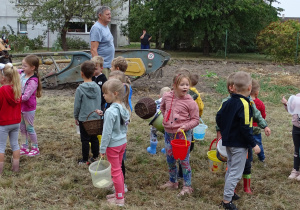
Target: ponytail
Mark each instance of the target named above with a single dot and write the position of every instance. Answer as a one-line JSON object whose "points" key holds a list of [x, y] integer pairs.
{"points": [[126, 96], [39, 87], [13, 78]]}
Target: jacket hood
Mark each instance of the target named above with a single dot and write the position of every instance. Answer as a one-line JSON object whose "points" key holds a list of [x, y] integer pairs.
{"points": [[125, 116], [9, 95], [89, 89]]}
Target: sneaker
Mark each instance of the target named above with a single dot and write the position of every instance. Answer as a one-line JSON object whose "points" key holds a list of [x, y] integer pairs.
{"points": [[235, 197], [33, 152], [169, 185], [83, 162], [298, 178], [125, 188], [24, 150], [228, 206], [117, 202], [93, 159], [186, 191], [294, 174]]}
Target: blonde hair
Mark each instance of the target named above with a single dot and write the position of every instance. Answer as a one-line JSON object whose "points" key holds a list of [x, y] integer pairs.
{"points": [[230, 81], [164, 90], [194, 79], [181, 74], [115, 85], [33, 60], [120, 62], [242, 80], [13, 77], [255, 86], [120, 76], [98, 60]]}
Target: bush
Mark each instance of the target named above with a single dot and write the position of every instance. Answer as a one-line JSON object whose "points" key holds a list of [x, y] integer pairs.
{"points": [[279, 41], [74, 43]]}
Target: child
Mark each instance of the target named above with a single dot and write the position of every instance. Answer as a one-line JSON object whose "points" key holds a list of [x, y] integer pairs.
{"points": [[295, 174], [98, 77], [120, 63], [10, 114], [31, 89], [87, 99], [180, 113], [234, 119], [260, 122], [113, 142], [261, 107], [153, 135]]}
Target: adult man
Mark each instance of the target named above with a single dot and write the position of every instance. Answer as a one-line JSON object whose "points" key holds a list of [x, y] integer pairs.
{"points": [[145, 40], [102, 41]]}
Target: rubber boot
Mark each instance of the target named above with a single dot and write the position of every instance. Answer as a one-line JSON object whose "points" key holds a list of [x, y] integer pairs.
{"points": [[152, 148], [163, 150], [247, 182], [1, 167]]}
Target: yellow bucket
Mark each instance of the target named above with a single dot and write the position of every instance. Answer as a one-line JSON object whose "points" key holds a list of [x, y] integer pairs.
{"points": [[215, 165]]}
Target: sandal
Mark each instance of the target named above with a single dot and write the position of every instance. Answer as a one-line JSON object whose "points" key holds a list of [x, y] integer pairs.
{"points": [[34, 151], [185, 190]]}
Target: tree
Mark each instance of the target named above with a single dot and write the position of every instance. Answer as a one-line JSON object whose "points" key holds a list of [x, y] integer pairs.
{"points": [[202, 24], [57, 14], [279, 40]]}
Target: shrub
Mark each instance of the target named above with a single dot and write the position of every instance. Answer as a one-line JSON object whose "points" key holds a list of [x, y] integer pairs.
{"points": [[279, 41], [74, 43]]}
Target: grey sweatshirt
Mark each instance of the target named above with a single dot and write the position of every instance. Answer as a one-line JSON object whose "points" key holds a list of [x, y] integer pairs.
{"points": [[114, 128], [87, 99]]}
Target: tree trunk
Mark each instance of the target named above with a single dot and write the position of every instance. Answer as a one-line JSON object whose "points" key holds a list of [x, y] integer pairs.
{"points": [[206, 45], [63, 36]]}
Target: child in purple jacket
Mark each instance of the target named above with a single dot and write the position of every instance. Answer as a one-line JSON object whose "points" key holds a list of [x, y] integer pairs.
{"points": [[31, 88]]}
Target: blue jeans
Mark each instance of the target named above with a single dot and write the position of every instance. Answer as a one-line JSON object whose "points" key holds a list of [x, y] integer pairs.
{"points": [[145, 46], [261, 155]]}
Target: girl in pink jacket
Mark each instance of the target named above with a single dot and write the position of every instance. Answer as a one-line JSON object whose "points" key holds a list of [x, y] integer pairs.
{"points": [[31, 89], [180, 113]]}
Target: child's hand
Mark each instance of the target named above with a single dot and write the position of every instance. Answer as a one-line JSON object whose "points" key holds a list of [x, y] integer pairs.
{"points": [[99, 112], [76, 122], [219, 135], [182, 128], [102, 155], [267, 131], [284, 101], [256, 149]]}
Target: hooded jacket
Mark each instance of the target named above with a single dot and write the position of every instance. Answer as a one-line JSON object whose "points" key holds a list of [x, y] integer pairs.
{"points": [[184, 111], [114, 128], [29, 92], [87, 99], [10, 109]]}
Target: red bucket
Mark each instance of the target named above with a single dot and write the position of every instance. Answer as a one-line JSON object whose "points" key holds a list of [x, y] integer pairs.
{"points": [[180, 147]]}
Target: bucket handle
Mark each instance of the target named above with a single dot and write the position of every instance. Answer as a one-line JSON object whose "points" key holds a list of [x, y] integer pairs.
{"points": [[98, 165], [212, 144], [201, 120], [182, 131]]}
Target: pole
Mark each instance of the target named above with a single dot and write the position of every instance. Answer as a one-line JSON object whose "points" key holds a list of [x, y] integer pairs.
{"points": [[226, 45], [296, 58]]}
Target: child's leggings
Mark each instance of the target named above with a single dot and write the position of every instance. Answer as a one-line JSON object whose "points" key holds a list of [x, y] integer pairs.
{"points": [[27, 128], [13, 132], [296, 139], [186, 168], [115, 156]]}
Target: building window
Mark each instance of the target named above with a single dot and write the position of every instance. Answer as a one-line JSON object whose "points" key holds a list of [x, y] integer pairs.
{"points": [[22, 28], [79, 27]]}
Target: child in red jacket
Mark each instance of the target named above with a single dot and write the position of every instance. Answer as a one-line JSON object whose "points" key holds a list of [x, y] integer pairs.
{"points": [[10, 114]]}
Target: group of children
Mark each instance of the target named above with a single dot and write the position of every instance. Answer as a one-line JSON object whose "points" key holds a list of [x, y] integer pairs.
{"points": [[239, 121], [18, 92]]}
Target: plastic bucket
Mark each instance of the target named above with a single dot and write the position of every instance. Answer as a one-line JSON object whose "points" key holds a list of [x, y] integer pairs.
{"points": [[157, 121], [221, 151], [199, 131], [101, 174], [180, 147], [215, 165]]}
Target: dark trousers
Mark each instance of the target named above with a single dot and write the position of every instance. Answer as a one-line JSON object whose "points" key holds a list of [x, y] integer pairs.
{"points": [[296, 140], [85, 140], [247, 169]]}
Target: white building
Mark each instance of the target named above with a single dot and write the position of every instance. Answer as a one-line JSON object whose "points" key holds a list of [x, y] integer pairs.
{"points": [[9, 16]]}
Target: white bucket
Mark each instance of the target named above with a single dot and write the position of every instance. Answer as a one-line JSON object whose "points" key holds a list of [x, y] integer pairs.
{"points": [[222, 150], [101, 174], [199, 131]]}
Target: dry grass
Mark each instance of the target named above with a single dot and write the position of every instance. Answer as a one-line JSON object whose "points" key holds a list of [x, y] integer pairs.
{"points": [[53, 180]]}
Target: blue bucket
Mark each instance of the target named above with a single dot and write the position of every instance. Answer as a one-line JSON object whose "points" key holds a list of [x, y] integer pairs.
{"points": [[199, 131]]}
